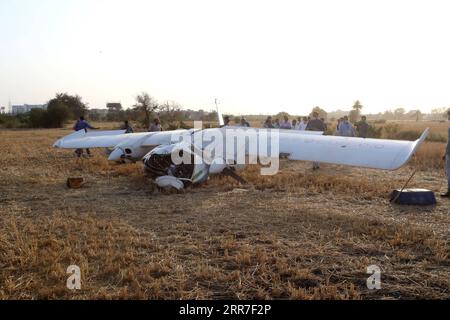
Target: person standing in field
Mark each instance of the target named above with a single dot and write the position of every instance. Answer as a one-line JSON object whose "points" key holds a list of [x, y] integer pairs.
{"points": [[286, 124], [277, 124], [346, 129], [303, 124], [316, 124], [363, 128], [155, 126], [294, 124], [226, 121], [244, 123], [338, 125], [268, 123], [325, 126], [82, 124], [447, 160], [127, 127]]}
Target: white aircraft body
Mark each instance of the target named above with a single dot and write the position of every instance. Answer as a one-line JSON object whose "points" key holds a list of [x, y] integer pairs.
{"points": [[156, 150]]}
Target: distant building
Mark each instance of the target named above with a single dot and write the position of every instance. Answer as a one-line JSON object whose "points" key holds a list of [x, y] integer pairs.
{"points": [[21, 109], [2, 110], [98, 114], [114, 106], [101, 112]]}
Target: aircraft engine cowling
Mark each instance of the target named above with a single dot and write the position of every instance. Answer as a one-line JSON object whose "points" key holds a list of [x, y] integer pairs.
{"points": [[160, 166]]}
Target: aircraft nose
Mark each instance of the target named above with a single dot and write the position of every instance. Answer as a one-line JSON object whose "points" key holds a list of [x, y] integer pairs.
{"points": [[116, 155]]}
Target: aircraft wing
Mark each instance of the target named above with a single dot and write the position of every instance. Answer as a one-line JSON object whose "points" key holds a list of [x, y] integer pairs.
{"points": [[367, 153], [112, 139]]}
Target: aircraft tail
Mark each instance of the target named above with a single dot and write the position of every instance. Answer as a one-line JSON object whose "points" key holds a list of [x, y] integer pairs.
{"points": [[219, 115]]}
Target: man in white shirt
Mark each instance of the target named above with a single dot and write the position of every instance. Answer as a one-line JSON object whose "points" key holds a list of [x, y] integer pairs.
{"points": [[303, 124]]}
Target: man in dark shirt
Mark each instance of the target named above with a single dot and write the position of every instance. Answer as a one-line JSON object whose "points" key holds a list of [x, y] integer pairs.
{"points": [[316, 124], [363, 128], [127, 127], [82, 124], [226, 121], [268, 123]]}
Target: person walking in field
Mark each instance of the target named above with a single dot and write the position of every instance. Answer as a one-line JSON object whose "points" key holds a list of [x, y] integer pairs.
{"points": [[447, 161], [82, 124], [362, 128], [316, 124]]}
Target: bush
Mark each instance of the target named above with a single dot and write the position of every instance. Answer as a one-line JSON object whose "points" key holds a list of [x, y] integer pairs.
{"points": [[391, 130], [375, 132], [37, 118], [436, 137], [12, 122], [410, 135], [57, 115]]}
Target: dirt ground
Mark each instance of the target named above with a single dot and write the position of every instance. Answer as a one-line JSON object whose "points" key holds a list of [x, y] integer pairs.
{"points": [[297, 235]]}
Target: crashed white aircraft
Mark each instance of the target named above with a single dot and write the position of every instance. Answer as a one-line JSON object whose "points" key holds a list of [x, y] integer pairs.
{"points": [[177, 159]]}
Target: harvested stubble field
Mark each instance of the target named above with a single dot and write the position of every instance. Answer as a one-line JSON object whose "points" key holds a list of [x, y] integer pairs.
{"points": [[298, 235]]}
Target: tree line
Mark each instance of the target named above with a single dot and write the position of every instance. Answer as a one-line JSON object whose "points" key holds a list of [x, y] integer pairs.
{"points": [[65, 107]]}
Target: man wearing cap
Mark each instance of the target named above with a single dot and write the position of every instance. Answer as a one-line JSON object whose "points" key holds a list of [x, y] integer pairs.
{"points": [[447, 160]]}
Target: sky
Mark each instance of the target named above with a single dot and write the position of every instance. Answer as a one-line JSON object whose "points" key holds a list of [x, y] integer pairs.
{"points": [[255, 57]]}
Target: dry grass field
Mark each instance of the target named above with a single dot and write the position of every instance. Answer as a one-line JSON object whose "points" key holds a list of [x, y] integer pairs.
{"points": [[298, 235]]}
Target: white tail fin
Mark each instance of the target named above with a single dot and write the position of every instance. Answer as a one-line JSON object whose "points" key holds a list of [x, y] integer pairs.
{"points": [[219, 114]]}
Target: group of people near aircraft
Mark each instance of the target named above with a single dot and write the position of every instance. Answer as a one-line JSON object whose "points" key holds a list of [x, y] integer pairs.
{"points": [[344, 127]]}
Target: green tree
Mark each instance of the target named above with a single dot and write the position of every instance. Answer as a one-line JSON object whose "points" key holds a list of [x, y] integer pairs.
{"points": [[355, 114], [322, 113], [57, 115], [38, 118], [281, 115], [146, 105], [74, 103], [357, 106], [115, 112]]}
